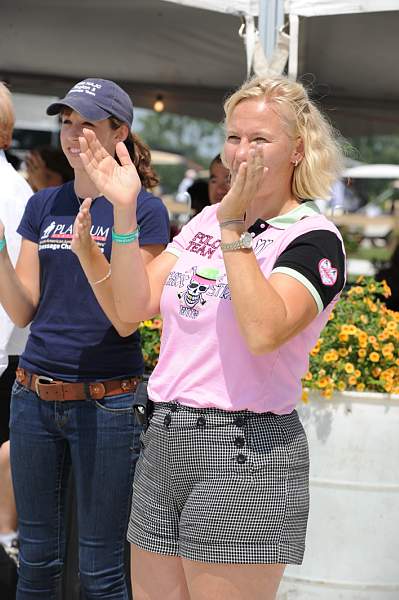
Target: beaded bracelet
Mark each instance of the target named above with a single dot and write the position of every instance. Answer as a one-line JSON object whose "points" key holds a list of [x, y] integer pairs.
{"points": [[125, 238], [2, 245]]}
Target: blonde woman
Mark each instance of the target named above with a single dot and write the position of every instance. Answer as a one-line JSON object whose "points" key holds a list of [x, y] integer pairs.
{"points": [[220, 500]]}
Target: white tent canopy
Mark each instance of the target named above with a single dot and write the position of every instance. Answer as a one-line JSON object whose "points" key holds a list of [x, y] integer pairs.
{"points": [[372, 172], [193, 56]]}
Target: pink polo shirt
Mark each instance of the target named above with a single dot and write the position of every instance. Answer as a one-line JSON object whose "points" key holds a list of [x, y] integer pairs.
{"points": [[204, 361]]}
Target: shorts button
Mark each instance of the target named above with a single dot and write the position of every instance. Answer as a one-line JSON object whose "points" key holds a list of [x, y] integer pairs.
{"points": [[201, 421], [167, 420], [173, 408], [241, 459], [239, 421], [239, 442]]}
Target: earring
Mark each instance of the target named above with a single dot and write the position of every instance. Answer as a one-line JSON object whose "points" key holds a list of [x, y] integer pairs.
{"points": [[296, 162]]}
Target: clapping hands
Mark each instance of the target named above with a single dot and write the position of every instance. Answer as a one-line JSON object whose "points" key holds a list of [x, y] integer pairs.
{"points": [[119, 183]]}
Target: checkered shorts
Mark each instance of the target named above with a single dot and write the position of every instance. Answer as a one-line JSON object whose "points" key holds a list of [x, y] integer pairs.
{"points": [[223, 487]]}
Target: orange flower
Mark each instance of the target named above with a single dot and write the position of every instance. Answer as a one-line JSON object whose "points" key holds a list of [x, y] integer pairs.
{"points": [[374, 357]]}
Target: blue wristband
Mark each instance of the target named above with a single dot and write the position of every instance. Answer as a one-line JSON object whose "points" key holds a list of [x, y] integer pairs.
{"points": [[2, 245], [125, 238]]}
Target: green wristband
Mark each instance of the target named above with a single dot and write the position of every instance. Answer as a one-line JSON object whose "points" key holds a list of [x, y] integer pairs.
{"points": [[2, 245], [125, 238]]}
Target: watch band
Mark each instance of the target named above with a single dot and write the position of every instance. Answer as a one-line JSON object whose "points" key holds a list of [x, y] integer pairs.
{"points": [[244, 243]]}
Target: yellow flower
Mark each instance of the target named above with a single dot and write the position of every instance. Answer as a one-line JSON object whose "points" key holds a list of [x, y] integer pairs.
{"points": [[323, 382], [305, 396], [341, 385], [372, 339], [387, 352], [352, 380], [349, 368], [357, 373], [343, 352], [330, 356], [356, 291], [374, 357], [386, 289], [308, 376], [361, 353], [360, 387], [343, 337], [376, 371], [364, 319]]}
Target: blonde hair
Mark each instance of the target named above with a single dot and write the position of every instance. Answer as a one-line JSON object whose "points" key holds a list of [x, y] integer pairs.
{"points": [[322, 161], [7, 117]]}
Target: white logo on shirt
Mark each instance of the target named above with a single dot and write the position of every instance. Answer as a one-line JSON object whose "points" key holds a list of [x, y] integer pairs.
{"points": [[328, 273]]}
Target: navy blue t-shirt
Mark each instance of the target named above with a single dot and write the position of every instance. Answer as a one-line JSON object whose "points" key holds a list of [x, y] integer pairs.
{"points": [[71, 338]]}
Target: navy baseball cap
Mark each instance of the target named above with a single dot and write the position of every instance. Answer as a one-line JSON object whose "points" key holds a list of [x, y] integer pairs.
{"points": [[96, 99]]}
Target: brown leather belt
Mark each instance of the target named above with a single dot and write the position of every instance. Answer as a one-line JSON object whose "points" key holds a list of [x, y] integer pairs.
{"points": [[51, 389]]}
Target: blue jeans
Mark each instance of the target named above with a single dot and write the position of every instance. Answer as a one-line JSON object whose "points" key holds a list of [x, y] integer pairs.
{"points": [[100, 439]]}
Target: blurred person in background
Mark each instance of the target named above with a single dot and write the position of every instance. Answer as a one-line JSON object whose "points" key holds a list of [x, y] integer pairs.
{"points": [[188, 179], [14, 194], [205, 192], [391, 275], [47, 167], [219, 180]]}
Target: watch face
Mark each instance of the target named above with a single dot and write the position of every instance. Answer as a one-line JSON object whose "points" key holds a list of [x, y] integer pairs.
{"points": [[246, 240]]}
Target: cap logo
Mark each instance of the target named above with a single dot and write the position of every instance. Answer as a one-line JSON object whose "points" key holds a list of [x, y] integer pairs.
{"points": [[85, 87], [328, 273]]}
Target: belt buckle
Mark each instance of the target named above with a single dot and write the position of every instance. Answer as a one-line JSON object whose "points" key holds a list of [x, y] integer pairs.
{"points": [[42, 379]]}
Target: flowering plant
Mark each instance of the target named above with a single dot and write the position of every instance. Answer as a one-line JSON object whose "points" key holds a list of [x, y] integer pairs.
{"points": [[150, 332], [359, 347]]}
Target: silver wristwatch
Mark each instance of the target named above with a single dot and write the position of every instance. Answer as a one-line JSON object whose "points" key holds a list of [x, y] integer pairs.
{"points": [[245, 242]]}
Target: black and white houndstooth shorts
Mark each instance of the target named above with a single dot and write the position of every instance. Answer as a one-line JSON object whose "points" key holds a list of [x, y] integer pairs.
{"points": [[223, 487]]}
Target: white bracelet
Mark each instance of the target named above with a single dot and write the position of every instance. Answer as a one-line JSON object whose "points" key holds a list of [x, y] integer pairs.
{"points": [[107, 276]]}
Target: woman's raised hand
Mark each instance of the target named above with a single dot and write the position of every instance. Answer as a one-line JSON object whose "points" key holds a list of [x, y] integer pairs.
{"points": [[245, 185], [82, 242], [120, 184]]}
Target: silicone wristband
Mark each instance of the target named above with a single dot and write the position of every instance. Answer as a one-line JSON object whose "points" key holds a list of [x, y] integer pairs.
{"points": [[125, 238], [2, 245]]}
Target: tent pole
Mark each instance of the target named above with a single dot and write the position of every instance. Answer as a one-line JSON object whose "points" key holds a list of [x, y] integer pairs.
{"points": [[294, 41], [271, 20]]}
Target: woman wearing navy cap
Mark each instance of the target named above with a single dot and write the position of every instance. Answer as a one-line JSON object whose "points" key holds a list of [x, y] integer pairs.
{"points": [[74, 398]]}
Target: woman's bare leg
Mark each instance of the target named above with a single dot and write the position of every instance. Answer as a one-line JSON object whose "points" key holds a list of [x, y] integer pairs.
{"points": [[217, 581], [157, 577]]}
